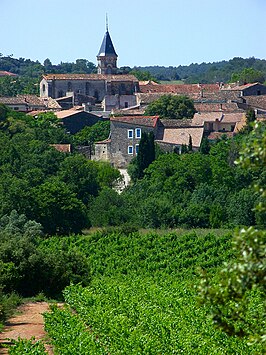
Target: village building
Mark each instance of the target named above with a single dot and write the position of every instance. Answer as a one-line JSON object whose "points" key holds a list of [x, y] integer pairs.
{"points": [[107, 88], [74, 120], [28, 103]]}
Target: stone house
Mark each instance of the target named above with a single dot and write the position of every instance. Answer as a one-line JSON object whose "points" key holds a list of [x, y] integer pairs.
{"points": [[125, 134], [123, 142], [74, 120], [28, 103]]}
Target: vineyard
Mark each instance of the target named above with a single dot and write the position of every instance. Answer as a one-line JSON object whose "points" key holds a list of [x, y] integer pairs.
{"points": [[143, 296]]}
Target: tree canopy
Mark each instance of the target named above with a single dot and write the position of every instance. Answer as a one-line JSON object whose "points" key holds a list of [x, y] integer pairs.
{"points": [[170, 106]]}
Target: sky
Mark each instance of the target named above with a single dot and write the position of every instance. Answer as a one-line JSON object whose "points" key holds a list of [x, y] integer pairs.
{"points": [[144, 32]]}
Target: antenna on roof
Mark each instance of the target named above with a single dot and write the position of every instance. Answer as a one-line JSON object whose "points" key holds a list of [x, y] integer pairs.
{"points": [[106, 22]]}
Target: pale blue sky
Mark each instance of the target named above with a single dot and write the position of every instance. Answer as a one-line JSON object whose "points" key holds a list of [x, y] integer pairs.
{"points": [[144, 32]]}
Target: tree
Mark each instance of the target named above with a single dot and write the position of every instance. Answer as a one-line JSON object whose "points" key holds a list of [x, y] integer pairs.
{"points": [[248, 75], [146, 153], [190, 146], [170, 106], [98, 132], [205, 146], [142, 75], [58, 209], [237, 297]]}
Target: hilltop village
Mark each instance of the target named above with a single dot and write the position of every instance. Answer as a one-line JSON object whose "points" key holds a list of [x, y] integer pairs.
{"points": [[172, 262], [81, 100]]}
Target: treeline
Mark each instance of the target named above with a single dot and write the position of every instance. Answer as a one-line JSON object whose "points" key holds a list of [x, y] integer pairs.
{"points": [[195, 189], [208, 72], [34, 69]]}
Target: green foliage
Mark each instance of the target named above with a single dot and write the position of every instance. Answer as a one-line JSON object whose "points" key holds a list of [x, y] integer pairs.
{"points": [[25, 346], [143, 75], [248, 75], [142, 297], [108, 209], [58, 209], [206, 72], [146, 154], [69, 334], [88, 135], [205, 146], [237, 295], [170, 106]]}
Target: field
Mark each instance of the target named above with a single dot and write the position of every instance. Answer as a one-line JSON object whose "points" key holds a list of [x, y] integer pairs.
{"points": [[143, 296]]}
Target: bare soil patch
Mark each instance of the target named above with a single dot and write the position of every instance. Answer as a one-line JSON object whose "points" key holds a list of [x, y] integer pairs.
{"points": [[27, 324]]}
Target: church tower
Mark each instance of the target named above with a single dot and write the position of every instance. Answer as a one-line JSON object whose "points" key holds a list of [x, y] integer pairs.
{"points": [[107, 56]]}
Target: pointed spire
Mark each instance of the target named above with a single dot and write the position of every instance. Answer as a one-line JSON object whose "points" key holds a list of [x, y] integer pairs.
{"points": [[107, 47]]}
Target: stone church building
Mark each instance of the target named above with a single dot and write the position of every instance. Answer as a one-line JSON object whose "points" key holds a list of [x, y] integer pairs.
{"points": [[113, 91]]}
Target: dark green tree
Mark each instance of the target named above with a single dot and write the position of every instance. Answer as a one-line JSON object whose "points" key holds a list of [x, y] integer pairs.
{"points": [[58, 209], [205, 146], [170, 106], [146, 153], [190, 146]]}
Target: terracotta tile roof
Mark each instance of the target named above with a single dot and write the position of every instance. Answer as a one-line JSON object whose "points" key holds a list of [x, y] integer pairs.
{"points": [[147, 82], [12, 101], [233, 117], [106, 141], [67, 113], [6, 73], [51, 103], [179, 135], [106, 77], [167, 123], [181, 89], [256, 101], [64, 148], [217, 135], [200, 118], [31, 99], [150, 121], [216, 107], [243, 87]]}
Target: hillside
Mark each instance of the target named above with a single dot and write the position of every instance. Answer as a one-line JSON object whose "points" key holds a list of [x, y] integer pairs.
{"points": [[143, 297], [29, 72]]}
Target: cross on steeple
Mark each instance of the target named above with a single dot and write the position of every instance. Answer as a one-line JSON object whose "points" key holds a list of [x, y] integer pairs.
{"points": [[106, 22]]}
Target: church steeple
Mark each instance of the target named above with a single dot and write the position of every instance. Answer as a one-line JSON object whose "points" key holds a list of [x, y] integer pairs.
{"points": [[107, 56]]}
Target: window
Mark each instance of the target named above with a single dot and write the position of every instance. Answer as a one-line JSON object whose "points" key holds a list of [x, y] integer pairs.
{"points": [[126, 104], [130, 133], [130, 149], [138, 132], [137, 148], [43, 88], [69, 86]]}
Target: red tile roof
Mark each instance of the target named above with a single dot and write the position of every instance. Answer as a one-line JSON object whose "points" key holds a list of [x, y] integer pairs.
{"points": [[179, 89], [63, 148], [106, 77], [150, 121], [6, 73]]}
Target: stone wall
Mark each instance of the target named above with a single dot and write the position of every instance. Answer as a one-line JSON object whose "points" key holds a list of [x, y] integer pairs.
{"points": [[111, 102], [59, 88], [120, 142]]}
